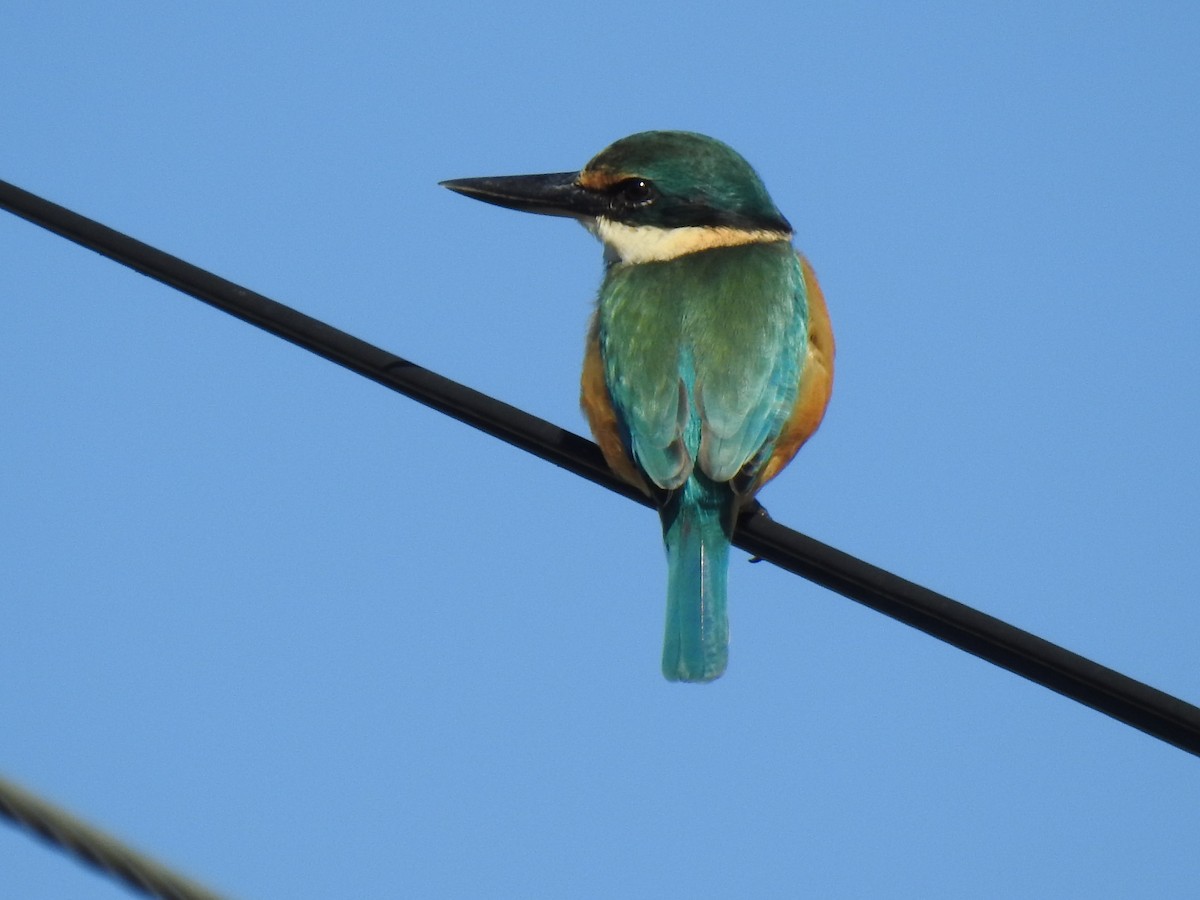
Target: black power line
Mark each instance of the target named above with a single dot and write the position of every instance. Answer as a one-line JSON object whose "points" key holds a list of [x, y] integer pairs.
{"points": [[1132, 702]]}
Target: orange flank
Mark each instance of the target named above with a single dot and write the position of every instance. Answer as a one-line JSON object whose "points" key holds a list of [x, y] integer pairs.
{"points": [[816, 383], [602, 418]]}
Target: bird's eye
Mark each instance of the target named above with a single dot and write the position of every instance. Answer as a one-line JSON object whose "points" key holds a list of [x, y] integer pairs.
{"points": [[636, 192]]}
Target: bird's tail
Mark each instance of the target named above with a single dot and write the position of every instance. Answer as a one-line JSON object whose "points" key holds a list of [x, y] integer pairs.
{"points": [[696, 530]]}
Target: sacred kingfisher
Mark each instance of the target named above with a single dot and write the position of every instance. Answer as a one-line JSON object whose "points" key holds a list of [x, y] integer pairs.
{"points": [[709, 359]]}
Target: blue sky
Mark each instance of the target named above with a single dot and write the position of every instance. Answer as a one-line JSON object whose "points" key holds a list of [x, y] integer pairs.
{"points": [[301, 637]]}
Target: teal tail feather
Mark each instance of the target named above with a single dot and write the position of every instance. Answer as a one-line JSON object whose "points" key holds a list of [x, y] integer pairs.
{"points": [[696, 527]]}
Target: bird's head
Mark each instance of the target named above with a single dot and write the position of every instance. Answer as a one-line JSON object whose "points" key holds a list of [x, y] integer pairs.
{"points": [[649, 197]]}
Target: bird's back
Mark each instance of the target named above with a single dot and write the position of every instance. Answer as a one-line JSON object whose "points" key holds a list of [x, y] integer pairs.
{"points": [[702, 357]]}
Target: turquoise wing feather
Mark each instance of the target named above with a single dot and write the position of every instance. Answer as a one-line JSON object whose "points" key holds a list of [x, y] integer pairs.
{"points": [[748, 365]]}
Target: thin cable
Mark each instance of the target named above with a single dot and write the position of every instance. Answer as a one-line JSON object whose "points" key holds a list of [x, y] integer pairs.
{"points": [[98, 849], [492, 416], [1105, 690]]}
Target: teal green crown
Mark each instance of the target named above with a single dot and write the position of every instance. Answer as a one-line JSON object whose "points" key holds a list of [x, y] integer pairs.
{"points": [[689, 179]]}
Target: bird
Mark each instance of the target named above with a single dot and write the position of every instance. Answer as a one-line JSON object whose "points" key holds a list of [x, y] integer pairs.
{"points": [[709, 356]]}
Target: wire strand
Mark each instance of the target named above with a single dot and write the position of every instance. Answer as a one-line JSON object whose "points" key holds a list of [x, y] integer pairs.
{"points": [[1136, 704], [93, 846]]}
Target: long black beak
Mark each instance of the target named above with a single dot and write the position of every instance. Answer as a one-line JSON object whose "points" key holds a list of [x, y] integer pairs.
{"points": [[558, 194]]}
